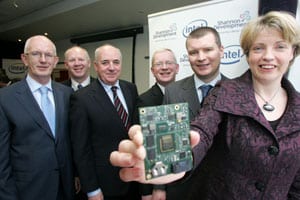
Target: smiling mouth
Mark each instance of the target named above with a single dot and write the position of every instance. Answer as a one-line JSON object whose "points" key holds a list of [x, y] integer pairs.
{"points": [[165, 73], [267, 66], [202, 65], [78, 70]]}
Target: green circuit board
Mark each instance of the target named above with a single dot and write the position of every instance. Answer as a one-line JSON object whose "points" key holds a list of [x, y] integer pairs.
{"points": [[166, 139]]}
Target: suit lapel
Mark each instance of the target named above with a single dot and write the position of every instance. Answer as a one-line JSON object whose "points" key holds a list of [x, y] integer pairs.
{"points": [[191, 96], [59, 110], [26, 98], [99, 95]]}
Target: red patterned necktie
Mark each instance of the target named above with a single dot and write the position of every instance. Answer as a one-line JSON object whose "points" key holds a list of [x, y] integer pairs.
{"points": [[120, 109]]}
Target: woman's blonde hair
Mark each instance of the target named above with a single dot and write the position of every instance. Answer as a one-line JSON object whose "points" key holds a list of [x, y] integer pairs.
{"points": [[283, 22]]}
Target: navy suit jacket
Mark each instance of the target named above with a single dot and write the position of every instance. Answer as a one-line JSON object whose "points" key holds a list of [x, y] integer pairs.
{"points": [[96, 130], [32, 162]]}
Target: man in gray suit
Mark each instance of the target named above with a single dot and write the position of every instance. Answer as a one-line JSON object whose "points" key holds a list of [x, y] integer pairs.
{"points": [[205, 51], [35, 156]]}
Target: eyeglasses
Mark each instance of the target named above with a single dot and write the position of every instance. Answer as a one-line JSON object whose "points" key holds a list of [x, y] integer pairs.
{"points": [[167, 63], [38, 54]]}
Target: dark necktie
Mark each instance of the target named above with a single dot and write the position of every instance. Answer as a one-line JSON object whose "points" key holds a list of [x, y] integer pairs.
{"points": [[47, 108], [205, 89], [79, 86], [120, 109]]}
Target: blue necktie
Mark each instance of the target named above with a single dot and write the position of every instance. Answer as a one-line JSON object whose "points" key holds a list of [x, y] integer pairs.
{"points": [[205, 89], [47, 108]]}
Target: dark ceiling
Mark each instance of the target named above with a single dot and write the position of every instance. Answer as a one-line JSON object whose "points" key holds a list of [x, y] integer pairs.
{"points": [[65, 19]]}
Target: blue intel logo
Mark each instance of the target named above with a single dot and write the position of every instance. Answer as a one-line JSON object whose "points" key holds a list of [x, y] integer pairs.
{"points": [[232, 54], [192, 26]]}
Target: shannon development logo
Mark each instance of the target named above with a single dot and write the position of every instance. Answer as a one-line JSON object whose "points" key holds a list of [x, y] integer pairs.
{"points": [[166, 34], [232, 54], [192, 26], [233, 24]]}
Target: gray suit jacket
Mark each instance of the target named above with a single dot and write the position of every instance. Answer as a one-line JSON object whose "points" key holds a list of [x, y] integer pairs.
{"points": [[184, 91], [34, 163]]}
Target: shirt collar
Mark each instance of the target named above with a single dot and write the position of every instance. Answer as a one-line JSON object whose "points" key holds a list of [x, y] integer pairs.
{"points": [[162, 88], [34, 85], [107, 87], [199, 82], [83, 83]]}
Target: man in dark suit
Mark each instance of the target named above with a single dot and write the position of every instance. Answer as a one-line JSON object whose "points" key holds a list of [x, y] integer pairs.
{"points": [[78, 63], [35, 154], [205, 51], [97, 128], [164, 68]]}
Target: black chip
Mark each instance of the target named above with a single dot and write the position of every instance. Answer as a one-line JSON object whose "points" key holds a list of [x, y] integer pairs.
{"points": [[150, 141], [149, 117], [185, 142], [181, 155], [171, 117], [151, 154], [162, 128], [181, 166]]}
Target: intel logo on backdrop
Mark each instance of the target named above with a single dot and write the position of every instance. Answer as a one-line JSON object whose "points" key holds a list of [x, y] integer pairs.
{"points": [[232, 54], [192, 26], [17, 68]]}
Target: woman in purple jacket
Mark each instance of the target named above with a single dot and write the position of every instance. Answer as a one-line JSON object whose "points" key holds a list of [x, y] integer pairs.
{"points": [[257, 117]]}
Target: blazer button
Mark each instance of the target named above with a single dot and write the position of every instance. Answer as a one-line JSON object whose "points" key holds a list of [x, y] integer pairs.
{"points": [[259, 186], [273, 150]]}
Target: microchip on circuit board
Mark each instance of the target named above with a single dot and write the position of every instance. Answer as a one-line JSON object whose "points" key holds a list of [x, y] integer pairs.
{"points": [[166, 139]]}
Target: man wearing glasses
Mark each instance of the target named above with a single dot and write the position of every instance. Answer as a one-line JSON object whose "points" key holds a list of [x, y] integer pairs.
{"points": [[164, 68], [35, 156]]}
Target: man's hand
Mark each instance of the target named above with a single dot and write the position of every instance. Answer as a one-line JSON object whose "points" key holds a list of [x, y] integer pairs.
{"points": [[131, 154]]}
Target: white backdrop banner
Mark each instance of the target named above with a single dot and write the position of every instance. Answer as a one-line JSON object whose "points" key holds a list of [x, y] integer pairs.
{"points": [[169, 29]]}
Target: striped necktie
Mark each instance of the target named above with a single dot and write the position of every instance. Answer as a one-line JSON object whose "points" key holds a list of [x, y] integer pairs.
{"points": [[120, 109]]}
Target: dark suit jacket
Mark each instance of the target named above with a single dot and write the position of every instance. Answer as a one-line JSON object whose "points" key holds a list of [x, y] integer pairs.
{"points": [[96, 130], [32, 161], [151, 97]]}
